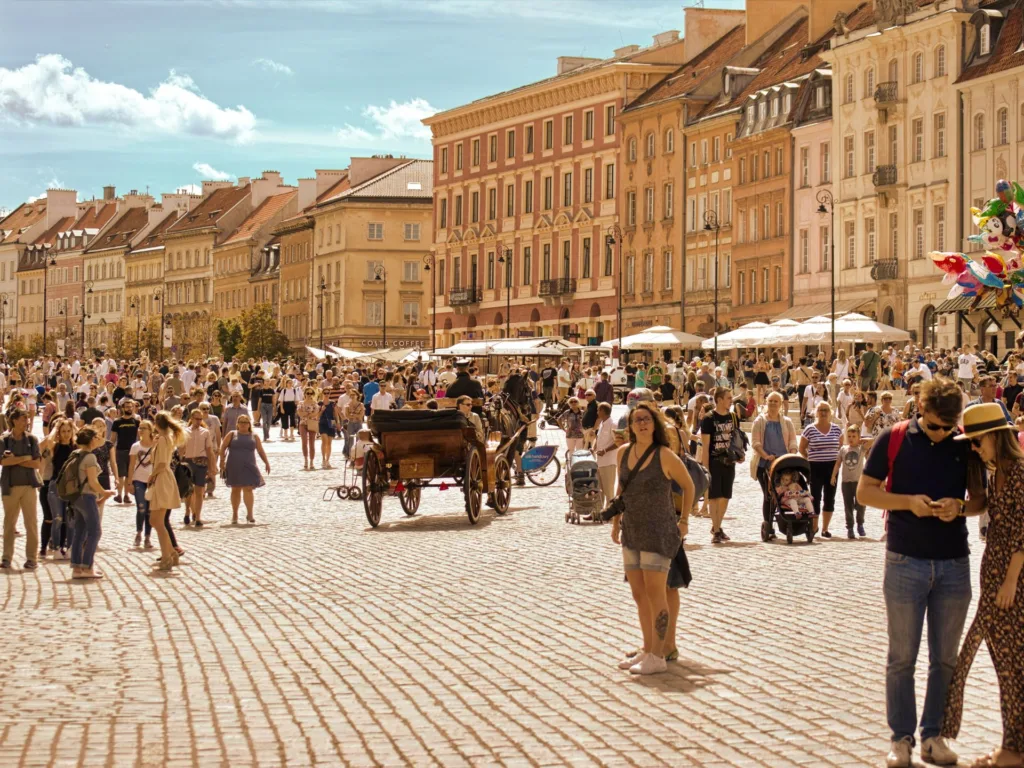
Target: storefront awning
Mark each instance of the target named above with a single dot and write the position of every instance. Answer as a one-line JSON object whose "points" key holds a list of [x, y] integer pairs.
{"points": [[806, 311], [966, 304]]}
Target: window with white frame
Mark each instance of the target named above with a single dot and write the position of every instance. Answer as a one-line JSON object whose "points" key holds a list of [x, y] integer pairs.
{"points": [[726, 270], [753, 287], [851, 170], [780, 222], [631, 153], [804, 255], [691, 205], [894, 235], [940, 227], [752, 218], [918, 67], [985, 40], [631, 209], [939, 131], [412, 231], [410, 313], [871, 253], [588, 125], [668, 201], [670, 140], [743, 288], [979, 131], [666, 270], [630, 274], [851, 243], [649, 204], [371, 270], [869, 151], [869, 82], [375, 231], [1002, 126], [567, 130], [374, 313], [410, 271], [510, 199], [766, 221], [609, 181], [917, 139], [726, 206], [648, 276], [940, 61], [826, 162], [704, 152], [765, 293], [650, 145], [826, 251], [919, 233], [778, 283], [609, 120], [848, 93], [728, 146], [588, 185], [805, 166], [716, 149], [567, 188]]}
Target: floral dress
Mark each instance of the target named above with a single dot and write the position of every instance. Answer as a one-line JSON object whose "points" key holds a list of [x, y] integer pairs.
{"points": [[1002, 630], [572, 421]]}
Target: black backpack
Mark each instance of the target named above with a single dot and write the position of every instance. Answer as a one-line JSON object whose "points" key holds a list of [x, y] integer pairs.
{"points": [[182, 476]]}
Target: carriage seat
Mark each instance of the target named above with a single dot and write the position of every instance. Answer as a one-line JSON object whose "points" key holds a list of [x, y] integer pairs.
{"points": [[381, 422]]}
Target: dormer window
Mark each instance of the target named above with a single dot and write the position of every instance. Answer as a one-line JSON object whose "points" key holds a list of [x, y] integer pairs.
{"points": [[775, 107], [985, 40], [750, 113], [762, 111]]}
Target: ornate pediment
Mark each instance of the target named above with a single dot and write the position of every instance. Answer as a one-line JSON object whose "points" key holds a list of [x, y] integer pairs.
{"points": [[894, 11], [583, 217], [487, 232], [543, 222], [454, 237], [471, 235], [562, 221]]}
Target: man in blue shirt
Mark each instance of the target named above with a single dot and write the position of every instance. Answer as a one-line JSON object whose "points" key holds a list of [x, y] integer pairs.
{"points": [[927, 568], [370, 389]]}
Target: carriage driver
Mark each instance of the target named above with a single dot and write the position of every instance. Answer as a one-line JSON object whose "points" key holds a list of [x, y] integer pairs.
{"points": [[464, 384]]}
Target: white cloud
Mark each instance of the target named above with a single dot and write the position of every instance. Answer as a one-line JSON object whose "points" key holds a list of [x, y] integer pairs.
{"points": [[395, 122], [51, 91], [207, 171], [53, 183], [273, 66], [191, 189]]}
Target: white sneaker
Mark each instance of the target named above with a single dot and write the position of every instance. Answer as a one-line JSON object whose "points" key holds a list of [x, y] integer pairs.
{"points": [[632, 660], [649, 665], [899, 754], [936, 751]]}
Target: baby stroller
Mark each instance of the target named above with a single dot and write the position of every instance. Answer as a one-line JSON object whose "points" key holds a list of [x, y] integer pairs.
{"points": [[554, 413], [789, 523], [583, 487]]}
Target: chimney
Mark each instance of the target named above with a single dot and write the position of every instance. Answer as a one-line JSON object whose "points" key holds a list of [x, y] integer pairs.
{"points": [[179, 201], [243, 180], [704, 26], [569, 63], [273, 176], [327, 179], [109, 193], [664, 38], [60, 203], [366, 168], [210, 186], [626, 50], [134, 200], [763, 15], [307, 193], [823, 14], [156, 214]]}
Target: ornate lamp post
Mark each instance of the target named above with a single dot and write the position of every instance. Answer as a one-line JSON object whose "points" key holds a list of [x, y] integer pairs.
{"points": [[614, 237], [505, 257], [827, 207], [711, 224], [136, 304], [3, 313], [86, 288], [323, 292], [47, 263], [379, 273], [429, 262]]}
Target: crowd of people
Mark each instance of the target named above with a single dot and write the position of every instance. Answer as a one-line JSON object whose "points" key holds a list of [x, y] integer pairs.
{"points": [[160, 435]]}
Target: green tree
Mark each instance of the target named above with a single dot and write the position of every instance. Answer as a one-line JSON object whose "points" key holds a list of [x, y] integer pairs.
{"points": [[229, 337], [260, 335]]}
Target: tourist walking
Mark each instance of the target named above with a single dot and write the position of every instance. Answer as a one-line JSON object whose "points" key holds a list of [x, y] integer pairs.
{"points": [[308, 415], [327, 425], [162, 493], [200, 455], [18, 483], [88, 525], [717, 429], [60, 443], [927, 564], [140, 469], [238, 458], [999, 620], [819, 444], [772, 435]]}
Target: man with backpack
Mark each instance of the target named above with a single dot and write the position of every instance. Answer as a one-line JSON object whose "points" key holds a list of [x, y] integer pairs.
{"points": [[18, 484], [919, 473], [868, 368]]}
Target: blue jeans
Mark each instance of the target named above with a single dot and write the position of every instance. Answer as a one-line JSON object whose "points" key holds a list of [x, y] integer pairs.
{"points": [[87, 531], [266, 416], [915, 589], [351, 429], [61, 516], [141, 509]]}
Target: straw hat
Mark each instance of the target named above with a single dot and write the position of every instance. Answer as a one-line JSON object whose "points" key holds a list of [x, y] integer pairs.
{"points": [[982, 418]]}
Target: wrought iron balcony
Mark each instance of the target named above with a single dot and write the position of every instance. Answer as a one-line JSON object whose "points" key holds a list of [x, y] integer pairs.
{"points": [[885, 269], [887, 93], [461, 297], [563, 286], [884, 176]]}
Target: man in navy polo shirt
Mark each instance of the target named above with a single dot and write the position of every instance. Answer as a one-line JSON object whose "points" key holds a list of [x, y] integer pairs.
{"points": [[927, 570]]}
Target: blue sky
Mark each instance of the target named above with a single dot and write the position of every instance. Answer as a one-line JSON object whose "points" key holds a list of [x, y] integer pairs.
{"points": [[161, 94]]}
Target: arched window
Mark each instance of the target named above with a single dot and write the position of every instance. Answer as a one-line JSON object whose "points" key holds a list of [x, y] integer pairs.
{"points": [[918, 67], [1002, 126], [894, 71], [869, 83], [940, 61], [848, 97], [632, 150], [670, 140], [985, 41], [979, 131], [650, 145]]}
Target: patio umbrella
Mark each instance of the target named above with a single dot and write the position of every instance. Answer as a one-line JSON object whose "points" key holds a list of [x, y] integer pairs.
{"points": [[654, 338], [855, 327], [346, 354], [814, 330], [749, 335]]}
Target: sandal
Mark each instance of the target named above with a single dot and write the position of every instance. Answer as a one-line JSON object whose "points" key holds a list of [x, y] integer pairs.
{"points": [[672, 655], [989, 761]]}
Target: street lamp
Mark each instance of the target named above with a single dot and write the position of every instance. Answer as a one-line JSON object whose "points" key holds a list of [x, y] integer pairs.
{"points": [[52, 262], [429, 263], [614, 237], [505, 257], [323, 291], [711, 223], [379, 273], [827, 207], [86, 288], [3, 312], [137, 306]]}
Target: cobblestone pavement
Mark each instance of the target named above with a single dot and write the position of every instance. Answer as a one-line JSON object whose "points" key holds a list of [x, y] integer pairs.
{"points": [[310, 639]]}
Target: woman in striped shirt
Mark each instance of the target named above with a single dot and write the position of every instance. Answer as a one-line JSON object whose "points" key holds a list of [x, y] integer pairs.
{"points": [[819, 444]]}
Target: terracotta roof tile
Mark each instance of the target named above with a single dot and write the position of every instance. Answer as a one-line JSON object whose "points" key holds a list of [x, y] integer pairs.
{"points": [[96, 217], [47, 237], [412, 181], [1005, 54], [694, 72], [264, 212], [121, 232], [210, 209], [155, 238], [20, 219], [335, 189]]}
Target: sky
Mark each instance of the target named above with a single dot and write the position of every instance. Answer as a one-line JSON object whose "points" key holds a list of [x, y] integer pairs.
{"points": [[160, 94]]}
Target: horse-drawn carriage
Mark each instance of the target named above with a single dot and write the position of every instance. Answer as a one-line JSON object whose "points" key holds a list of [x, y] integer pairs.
{"points": [[417, 449]]}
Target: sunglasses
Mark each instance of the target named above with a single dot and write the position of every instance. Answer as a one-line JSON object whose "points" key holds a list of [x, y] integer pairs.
{"points": [[643, 420], [932, 427], [975, 442]]}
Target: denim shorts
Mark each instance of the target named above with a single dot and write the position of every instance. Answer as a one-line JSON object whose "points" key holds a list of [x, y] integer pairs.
{"points": [[635, 560]]}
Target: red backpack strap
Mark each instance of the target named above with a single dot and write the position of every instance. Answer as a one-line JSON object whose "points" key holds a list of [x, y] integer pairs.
{"points": [[896, 435]]}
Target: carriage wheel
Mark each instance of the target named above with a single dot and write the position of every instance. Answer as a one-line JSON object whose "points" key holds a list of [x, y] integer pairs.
{"points": [[502, 493], [410, 499], [473, 483], [373, 495]]}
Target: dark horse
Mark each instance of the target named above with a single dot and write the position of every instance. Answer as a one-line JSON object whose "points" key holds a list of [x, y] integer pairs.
{"points": [[511, 420]]}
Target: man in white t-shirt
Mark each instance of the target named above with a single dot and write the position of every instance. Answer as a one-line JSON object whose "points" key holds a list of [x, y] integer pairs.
{"points": [[383, 400], [564, 382], [966, 367]]}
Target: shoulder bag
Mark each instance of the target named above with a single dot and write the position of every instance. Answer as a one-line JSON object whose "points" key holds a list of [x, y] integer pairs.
{"points": [[617, 505]]}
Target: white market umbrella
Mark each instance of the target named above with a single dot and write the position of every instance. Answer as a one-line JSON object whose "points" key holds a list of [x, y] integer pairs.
{"points": [[749, 335], [858, 328], [319, 354], [654, 338], [813, 330], [346, 354]]}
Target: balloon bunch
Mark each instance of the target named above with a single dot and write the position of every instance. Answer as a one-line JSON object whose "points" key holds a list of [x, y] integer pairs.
{"points": [[999, 270]]}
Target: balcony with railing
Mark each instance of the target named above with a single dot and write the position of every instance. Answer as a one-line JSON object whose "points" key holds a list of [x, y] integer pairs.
{"points": [[885, 176], [460, 299], [887, 93], [885, 269], [558, 291]]}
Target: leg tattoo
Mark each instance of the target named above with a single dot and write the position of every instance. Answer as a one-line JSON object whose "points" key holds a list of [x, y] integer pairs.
{"points": [[661, 624]]}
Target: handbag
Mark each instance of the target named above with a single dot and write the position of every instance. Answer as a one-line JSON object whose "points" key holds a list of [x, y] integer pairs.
{"points": [[737, 450], [617, 505]]}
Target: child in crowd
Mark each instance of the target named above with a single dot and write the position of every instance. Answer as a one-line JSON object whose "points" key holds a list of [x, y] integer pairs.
{"points": [[792, 495], [363, 441], [851, 460]]}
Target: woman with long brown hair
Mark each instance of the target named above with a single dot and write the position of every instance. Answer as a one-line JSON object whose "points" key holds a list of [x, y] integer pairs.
{"points": [[999, 620], [162, 493]]}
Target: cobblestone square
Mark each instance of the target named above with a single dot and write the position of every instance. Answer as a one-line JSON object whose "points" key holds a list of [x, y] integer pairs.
{"points": [[311, 639]]}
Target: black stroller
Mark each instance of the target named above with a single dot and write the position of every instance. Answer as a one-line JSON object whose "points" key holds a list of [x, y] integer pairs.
{"points": [[789, 522]]}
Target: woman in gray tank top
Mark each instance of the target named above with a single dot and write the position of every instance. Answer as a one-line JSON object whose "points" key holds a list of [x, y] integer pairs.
{"points": [[649, 529]]}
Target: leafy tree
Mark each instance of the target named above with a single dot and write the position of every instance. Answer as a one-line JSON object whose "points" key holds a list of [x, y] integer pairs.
{"points": [[229, 337], [260, 335]]}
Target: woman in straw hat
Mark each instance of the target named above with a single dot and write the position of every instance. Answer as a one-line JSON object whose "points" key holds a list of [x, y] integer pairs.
{"points": [[1000, 617]]}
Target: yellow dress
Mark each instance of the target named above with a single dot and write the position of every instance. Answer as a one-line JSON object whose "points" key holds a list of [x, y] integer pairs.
{"points": [[163, 490]]}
